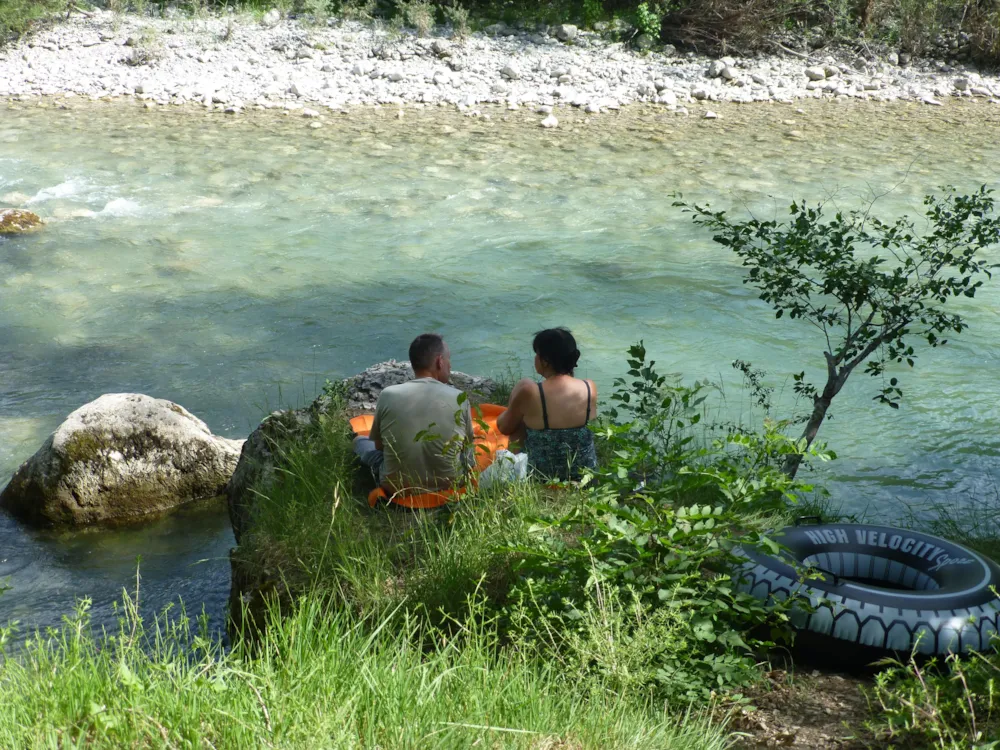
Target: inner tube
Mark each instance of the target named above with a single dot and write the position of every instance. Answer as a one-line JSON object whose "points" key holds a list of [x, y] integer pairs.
{"points": [[886, 588]]}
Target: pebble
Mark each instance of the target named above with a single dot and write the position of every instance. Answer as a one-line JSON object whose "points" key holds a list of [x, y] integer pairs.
{"points": [[549, 122], [271, 19], [271, 64], [566, 32]]}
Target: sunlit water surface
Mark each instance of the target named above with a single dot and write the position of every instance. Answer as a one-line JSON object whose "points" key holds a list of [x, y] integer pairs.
{"points": [[234, 265]]}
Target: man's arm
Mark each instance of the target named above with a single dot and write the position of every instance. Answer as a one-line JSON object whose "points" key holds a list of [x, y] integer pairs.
{"points": [[375, 434]]}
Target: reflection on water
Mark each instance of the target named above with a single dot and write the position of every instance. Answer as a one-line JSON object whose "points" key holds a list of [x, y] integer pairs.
{"points": [[235, 264]]}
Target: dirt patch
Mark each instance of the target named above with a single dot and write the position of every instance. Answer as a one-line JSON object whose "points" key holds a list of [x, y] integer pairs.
{"points": [[805, 710]]}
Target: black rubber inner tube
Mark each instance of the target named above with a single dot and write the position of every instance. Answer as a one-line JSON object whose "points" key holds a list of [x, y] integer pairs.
{"points": [[882, 586]]}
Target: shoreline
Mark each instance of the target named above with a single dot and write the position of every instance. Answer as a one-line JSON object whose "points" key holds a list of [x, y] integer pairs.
{"points": [[235, 64]]}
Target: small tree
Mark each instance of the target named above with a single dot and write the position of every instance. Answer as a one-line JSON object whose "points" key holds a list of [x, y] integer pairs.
{"points": [[869, 307]]}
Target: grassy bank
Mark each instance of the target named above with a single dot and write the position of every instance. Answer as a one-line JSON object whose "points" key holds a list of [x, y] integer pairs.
{"points": [[320, 678]]}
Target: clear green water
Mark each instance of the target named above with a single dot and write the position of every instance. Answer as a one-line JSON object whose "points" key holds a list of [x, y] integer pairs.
{"points": [[233, 266]]}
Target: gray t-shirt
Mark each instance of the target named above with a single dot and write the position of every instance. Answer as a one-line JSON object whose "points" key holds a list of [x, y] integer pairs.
{"points": [[422, 427]]}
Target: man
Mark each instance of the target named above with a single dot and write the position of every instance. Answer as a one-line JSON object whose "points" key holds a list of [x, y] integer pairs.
{"points": [[421, 438]]}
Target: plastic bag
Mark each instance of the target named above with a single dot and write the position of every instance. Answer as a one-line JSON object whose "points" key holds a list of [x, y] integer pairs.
{"points": [[507, 467]]}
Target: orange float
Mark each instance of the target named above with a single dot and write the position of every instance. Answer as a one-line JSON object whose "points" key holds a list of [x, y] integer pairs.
{"points": [[487, 442]]}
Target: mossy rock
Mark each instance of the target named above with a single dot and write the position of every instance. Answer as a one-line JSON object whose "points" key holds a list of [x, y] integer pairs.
{"points": [[123, 457], [17, 221]]}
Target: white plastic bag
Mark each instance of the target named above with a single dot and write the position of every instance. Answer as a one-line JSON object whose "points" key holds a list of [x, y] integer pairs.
{"points": [[507, 467]]}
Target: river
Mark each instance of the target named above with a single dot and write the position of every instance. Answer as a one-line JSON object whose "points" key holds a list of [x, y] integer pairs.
{"points": [[234, 264]]}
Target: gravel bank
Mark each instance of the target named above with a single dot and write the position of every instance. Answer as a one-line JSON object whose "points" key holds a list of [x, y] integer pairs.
{"points": [[237, 63]]}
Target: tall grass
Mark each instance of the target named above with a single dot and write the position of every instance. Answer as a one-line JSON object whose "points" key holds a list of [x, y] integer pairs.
{"points": [[315, 528], [320, 678]]}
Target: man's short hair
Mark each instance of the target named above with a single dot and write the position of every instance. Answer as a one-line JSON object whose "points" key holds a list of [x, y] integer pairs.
{"points": [[425, 349]]}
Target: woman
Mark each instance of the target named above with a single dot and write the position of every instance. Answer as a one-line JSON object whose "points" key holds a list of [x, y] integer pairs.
{"points": [[551, 417]]}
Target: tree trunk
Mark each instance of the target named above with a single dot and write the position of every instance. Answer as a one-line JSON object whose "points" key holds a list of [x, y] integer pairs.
{"points": [[867, 13], [820, 406]]}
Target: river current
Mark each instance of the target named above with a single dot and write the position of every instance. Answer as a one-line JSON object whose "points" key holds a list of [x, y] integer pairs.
{"points": [[234, 264]]}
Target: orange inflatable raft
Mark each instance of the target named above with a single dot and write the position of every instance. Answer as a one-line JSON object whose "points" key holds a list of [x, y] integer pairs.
{"points": [[488, 441]]}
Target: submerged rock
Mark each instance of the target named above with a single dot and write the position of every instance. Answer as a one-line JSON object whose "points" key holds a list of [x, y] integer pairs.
{"points": [[118, 458], [17, 220]]}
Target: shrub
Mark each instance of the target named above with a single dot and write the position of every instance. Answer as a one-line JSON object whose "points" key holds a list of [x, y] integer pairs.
{"points": [[593, 11], [870, 288], [146, 49], [317, 10], [18, 17], [458, 16], [648, 20], [649, 552], [418, 14]]}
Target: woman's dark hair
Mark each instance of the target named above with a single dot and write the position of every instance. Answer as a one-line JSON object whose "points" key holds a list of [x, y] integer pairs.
{"points": [[558, 348]]}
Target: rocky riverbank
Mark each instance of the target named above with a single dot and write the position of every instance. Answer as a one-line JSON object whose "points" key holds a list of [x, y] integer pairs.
{"points": [[237, 64]]}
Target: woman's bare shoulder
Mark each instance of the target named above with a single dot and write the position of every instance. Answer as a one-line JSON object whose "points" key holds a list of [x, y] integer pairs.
{"points": [[523, 388]]}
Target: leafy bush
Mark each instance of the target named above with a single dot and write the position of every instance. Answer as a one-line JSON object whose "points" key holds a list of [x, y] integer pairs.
{"points": [[146, 50], [458, 17], [417, 13], [649, 551], [648, 20], [593, 11]]}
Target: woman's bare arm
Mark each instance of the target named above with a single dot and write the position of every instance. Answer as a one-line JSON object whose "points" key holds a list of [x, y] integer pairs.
{"points": [[513, 419]]}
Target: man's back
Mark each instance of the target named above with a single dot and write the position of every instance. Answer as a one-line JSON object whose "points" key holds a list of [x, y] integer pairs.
{"points": [[416, 422]]}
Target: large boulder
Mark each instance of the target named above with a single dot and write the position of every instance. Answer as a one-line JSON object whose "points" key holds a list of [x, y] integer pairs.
{"points": [[119, 458], [16, 221]]}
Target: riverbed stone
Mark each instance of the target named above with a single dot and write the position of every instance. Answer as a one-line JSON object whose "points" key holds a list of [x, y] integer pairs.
{"points": [[566, 32], [270, 19], [120, 458], [511, 72], [18, 220], [266, 63], [816, 73], [441, 48]]}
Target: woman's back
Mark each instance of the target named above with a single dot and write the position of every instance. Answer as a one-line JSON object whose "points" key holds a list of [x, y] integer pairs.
{"points": [[558, 403], [553, 415], [562, 444]]}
